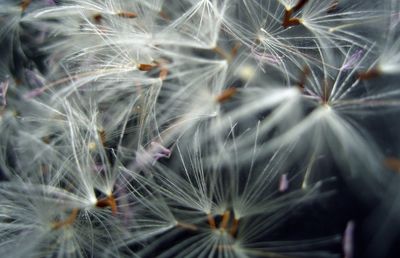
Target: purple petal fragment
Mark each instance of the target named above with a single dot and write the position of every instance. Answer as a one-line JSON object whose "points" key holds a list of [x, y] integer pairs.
{"points": [[352, 61], [283, 183], [348, 239]]}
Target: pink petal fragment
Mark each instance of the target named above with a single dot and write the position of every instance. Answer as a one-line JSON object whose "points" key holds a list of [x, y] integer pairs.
{"points": [[353, 60], [283, 183]]}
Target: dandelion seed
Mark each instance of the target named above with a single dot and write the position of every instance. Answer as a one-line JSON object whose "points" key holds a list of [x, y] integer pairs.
{"points": [[199, 24], [288, 20]]}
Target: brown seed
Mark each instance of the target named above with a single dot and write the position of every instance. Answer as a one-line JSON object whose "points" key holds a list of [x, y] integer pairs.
{"points": [[234, 227], [370, 74], [25, 4], [288, 20], [102, 136], [393, 164], [303, 79], [299, 5], [46, 139], [108, 202], [235, 49], [68, 221], [163, 73], [128, 15], [292, 22], [211, 221], [226, 94], [146, 67], [164, 15], [225, 220], [97, 18], [220, 51], [327, 91], [162, 64]]}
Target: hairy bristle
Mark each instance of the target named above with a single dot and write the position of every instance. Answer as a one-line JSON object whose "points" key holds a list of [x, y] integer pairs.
{"points": [[333, 7], [187, 226], [393, 164]]}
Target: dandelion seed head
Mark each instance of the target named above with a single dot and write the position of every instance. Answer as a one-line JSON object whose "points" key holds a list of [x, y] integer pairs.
{"points": [[172, 128]]}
